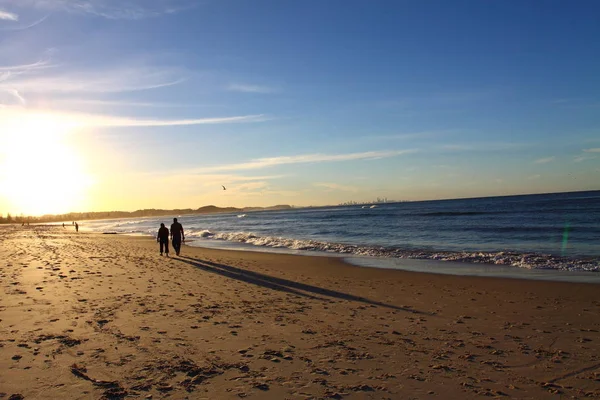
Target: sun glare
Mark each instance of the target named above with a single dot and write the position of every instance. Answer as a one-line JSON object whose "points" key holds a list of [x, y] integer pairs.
{"points": [[40, 173]]}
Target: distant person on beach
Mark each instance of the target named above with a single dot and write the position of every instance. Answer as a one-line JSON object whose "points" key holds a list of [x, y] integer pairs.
{"points": [[76, 227], [177, 235], [163, 238], [63, 224]]}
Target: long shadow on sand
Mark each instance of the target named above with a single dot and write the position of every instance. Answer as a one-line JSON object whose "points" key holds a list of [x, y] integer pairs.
{"points": [[283, 285]]}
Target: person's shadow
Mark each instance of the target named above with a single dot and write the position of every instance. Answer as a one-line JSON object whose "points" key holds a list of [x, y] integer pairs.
{"points": [[283, 285]]}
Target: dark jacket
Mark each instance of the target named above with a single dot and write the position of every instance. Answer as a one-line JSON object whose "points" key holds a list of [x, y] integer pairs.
{"points": [[177, 231], [163, 234]]}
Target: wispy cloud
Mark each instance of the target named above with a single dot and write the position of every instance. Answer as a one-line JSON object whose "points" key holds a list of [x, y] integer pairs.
{"points": [[110, 9], [414, 135], [18, 69], [70, 121], [236, 87], [229, 179], [250, 186], [544, 160], [24, 27], [588, 154], [482, 147], [307, 158], [337, 187], [458, 147], [108, 121], [216, 180], [16, 95], [189, 181], [133, 104], [8, 16], [44, 78], [582, 158], [111, 80]]}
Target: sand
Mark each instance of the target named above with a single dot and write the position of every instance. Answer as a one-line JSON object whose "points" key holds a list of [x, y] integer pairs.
{"points": [[89, 316]]}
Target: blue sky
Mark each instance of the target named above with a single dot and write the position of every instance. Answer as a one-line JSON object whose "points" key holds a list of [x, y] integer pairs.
{"points": [[299, 102]]}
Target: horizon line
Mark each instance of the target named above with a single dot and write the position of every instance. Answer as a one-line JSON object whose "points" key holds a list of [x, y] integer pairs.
{"points": [[299, 207]]}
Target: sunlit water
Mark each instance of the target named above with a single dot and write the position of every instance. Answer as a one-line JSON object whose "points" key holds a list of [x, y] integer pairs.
{"points": [[551, 231]]}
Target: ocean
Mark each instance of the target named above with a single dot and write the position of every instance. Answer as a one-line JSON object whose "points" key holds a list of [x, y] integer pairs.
{"points": [[558, 231]]}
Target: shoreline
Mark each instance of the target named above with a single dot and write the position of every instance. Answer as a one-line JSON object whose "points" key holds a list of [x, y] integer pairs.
{"points": [[422, 265], [426, 266], [90, 315], [501, 256]]}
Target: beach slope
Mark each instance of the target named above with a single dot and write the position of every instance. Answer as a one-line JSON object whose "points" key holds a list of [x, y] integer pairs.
{"points": [[88, 316]]}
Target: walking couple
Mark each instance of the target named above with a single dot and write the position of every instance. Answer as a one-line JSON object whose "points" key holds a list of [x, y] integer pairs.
{"points": [[177, 237]]}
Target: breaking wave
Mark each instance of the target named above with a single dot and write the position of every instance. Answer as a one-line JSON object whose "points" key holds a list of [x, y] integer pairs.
{"points": [[505, 258]]}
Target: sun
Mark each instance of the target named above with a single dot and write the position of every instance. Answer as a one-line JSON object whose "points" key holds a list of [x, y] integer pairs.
{"points": [[40, 173]]}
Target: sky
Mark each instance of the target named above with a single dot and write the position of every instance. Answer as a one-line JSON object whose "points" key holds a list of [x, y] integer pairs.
{"points": [[130, 104]]}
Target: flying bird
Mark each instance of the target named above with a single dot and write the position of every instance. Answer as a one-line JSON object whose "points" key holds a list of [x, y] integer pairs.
{"points": [[224, 188]]}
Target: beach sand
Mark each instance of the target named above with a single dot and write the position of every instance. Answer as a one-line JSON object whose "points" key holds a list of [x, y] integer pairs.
{"points": [[89, 316]]}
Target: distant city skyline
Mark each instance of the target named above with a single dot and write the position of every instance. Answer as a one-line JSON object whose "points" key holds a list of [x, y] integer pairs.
{"points": [[110, 105]]}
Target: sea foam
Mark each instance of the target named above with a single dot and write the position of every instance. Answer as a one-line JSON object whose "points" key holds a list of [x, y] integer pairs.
{"points": [[516, 259]]}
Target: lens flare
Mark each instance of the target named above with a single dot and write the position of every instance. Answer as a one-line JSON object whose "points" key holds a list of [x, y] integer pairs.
{"points": [[565, 239]]}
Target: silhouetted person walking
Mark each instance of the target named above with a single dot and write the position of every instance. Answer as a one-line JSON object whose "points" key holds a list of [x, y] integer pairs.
{"points": [[76, 227], [163, 238], [177, 235]]}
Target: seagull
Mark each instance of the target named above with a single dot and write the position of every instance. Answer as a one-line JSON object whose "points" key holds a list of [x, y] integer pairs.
{"points": [[224, 188]]}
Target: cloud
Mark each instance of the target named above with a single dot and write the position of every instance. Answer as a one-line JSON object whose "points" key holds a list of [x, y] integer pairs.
{"points": [[141, 104], [307, 158], [227, 179], [544, 160], [534, 177], [57, 82], [8, 16], [26, 78], [72, 121], [336, 186], [482, 147], [250, 186], [16, 95], [109, 121], [18, 69], [235, 87], [24, 27], [588, 154], [458, 147], [189, 181], [413, 135], [110, 9], [581, 158]]}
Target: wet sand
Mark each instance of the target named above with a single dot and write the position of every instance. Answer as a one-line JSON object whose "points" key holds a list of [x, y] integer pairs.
{"points": [[89, 316]]}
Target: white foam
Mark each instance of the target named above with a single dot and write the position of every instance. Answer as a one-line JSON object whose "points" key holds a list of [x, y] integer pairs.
{"points": [[529, 261], [202, 234]]}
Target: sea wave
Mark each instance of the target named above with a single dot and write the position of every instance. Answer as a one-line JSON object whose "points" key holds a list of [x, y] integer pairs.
{"points": [[516, 259]]}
